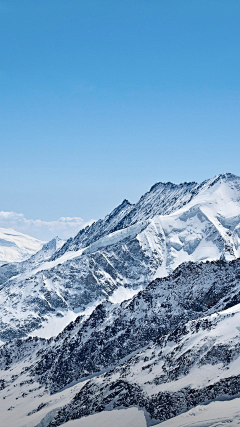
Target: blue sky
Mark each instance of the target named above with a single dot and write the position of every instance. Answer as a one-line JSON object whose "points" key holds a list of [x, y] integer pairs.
{"points": [[100, 99]]}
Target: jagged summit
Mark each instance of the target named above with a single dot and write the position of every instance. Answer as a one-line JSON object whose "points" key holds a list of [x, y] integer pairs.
{"points": [[171, 185], [147, 303], [55, 243], [48, 250], [134, 244], [162, 199], [122, 205], [222, 177], [227, 176]]}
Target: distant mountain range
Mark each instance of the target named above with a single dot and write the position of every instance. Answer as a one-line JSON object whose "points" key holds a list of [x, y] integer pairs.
{"points": [[73, 348], [17, 247]]}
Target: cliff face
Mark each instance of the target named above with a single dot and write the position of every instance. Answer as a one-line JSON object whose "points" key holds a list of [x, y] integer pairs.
{"points": [[173, 346], [133, 245]]}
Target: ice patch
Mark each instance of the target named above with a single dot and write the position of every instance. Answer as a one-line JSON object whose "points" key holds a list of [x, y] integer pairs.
{"points": [[122, 294], [55, 324]]}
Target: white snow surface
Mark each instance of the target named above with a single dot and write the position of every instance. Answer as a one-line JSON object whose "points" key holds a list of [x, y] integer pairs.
{"points": [[20, 411], [215, 414], [122, 294], [16, 246], [131, 417], [188, 234], [55, 325]]}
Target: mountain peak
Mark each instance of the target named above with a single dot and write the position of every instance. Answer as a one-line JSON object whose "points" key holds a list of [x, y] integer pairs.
{"points": [[123, 207], [56, 243], [222, 177], [171, 185], [227, 176]]}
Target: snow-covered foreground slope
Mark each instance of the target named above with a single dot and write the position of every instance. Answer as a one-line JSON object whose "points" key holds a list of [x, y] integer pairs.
{"points": [[16, 247], [131, 417], [133, 245], [173, 346], [215, 414]]}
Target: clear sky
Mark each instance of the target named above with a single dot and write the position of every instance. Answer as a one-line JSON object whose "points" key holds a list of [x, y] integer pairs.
{"points": [[100, 99]]}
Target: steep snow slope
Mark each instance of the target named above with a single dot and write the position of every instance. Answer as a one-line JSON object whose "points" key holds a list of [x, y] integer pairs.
{"points": [[15, 246], [170, 224], [173, 346], [14, 268], [216, 414], [47, 250], [163, 198]]}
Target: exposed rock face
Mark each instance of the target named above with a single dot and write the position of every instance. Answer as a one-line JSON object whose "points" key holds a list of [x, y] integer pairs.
{"points": [[132, 246], [160, 407], [112, 333], [14, 268], [174, 345], [195, 364]]}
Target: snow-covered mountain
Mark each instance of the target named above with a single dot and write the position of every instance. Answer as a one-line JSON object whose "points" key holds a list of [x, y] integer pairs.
{"points": [[172, 347], [167, 356], [133, 245], [215, 198], [8, 270], [16, 247]]}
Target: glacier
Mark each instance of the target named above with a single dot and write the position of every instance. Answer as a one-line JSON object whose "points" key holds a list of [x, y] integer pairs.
{"points": [[133, 245], [134, 321]]}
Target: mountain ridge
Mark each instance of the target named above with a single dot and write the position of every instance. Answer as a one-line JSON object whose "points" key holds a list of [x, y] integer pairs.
{"points": [[171, 224], [143, 352], [78, 346]]}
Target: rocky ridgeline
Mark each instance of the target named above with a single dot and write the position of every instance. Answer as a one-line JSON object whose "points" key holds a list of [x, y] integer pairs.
{"points": [[129, 248], [174, 345]]}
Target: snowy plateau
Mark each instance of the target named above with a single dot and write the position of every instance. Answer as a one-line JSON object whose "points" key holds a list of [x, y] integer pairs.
{"points": [[15, 246], [134, 322]]}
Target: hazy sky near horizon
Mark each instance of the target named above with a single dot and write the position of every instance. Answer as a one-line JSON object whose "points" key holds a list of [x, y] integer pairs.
{"points": [[100, 99]]}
